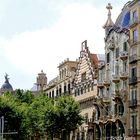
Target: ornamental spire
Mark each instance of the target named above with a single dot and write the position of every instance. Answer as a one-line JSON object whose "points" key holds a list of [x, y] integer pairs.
{"points": [[109, 23]]}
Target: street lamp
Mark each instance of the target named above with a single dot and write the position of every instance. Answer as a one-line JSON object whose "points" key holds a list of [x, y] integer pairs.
{"points": [[1, 127]]}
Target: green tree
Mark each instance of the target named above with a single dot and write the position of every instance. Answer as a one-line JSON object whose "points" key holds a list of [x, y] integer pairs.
{"points": [[24, 96], [9, 108], [63, 117], [34, 122]]}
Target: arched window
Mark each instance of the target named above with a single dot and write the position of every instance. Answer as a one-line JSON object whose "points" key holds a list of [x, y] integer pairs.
{"points": [[65, 88], [60, 90], [85, 89], [69, 90]]}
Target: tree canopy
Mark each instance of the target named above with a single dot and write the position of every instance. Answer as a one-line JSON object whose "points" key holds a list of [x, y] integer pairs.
{"points": [[39, 116]]}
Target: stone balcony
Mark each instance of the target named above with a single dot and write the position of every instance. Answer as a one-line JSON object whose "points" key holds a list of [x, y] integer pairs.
{"points": [[123, 55], [106, 99], [106, 83], [116, 94], [115, 78], [101, 65], [111, 46], [100, 84], [133, 58], [123, 75]]}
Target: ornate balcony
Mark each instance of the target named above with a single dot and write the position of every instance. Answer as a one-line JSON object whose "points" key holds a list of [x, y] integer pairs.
{"points": [[123, 55], [132, 103], [132, 132], [101, 65], [112, 46], [106, 100], [123, 75], [132, 80], [133, 58], [115, 78], [106, 83], [100, 84]]}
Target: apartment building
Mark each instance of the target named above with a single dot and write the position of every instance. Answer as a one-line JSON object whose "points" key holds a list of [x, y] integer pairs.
{"points": [[113, 77], [134, 71], [62, 84], [85, 92]]}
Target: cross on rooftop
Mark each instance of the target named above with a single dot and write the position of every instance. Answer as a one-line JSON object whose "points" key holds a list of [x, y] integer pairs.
{"points": [[109, 7]]}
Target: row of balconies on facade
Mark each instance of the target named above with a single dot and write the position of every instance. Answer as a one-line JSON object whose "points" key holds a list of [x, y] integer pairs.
{"points": [[123, 56], [116, 79]]}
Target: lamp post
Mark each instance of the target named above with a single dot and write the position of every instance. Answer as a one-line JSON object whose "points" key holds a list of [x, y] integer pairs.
{"points": [[1, 127]]}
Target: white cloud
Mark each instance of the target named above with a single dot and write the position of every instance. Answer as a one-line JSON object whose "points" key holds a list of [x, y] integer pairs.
{"points": [[46, 48]]}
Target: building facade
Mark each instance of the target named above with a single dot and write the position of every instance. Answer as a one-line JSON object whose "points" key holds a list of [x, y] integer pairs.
{"points": [[85, 92], [62, 84], [113, 77], [106, 86], [134, 71]]}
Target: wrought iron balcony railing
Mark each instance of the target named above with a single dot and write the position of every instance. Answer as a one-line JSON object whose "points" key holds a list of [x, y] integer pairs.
{"points": [[132, 103], [132, 131], [132, 80]]}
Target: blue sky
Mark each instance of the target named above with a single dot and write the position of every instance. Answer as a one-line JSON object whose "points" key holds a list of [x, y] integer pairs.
{"points": [[40, 34]]}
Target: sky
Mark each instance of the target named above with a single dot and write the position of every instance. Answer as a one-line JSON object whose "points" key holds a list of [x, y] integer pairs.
{"points": [[37, 35]]}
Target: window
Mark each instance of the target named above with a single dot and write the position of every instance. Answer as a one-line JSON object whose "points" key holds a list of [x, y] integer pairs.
{"points": [[60, 90], [86, 118], [125, 84], [124, 66], [75, 92], [53, 94], [125, 46], [134, 16], [56, 92], [134, 36], [108, 58], [65, 88], [133, 72], [83, 76], [92, 86], [49, 94], [78, 91], [88, 87], [117, 52], [69, 88], [85, 89], [134, 121], [81, 90], [133, 94], [117, 69]]}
